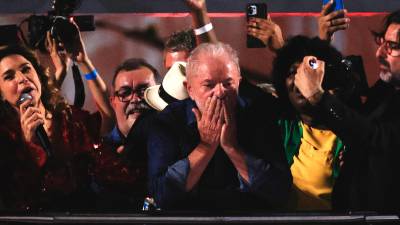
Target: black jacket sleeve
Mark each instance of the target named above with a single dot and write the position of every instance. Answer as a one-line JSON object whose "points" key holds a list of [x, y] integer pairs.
{"points": [[378, 134]]}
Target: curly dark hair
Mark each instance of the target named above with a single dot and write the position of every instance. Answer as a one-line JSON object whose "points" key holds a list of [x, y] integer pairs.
{"points": [[393, 17], [183, 40], [51, 97], [294, 50]]}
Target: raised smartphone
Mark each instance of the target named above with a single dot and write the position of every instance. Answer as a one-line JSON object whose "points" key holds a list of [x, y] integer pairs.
{"points": [[337, 5], [258, 10]]}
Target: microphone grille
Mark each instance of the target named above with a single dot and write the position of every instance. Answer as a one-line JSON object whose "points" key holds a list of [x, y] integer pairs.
{"points": [[24, 97]]}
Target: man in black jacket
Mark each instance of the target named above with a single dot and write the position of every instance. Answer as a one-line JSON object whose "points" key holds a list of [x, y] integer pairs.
{"points": [[373, 138]]}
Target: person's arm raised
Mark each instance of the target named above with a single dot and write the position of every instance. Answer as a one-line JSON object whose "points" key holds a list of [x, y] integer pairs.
{"points": [[59, 60], [202, 25], [267, 31], [330, 22], [95, 82]]}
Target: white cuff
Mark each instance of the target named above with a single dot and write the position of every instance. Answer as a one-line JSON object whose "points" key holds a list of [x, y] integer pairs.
{"points": [[204, 29]]}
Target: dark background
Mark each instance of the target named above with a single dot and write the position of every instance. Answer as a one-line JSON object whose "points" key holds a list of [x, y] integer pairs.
{"points": [[152, 6]]}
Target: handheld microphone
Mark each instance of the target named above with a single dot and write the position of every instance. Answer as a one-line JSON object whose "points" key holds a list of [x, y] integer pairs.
{"points": [[40, 133]]}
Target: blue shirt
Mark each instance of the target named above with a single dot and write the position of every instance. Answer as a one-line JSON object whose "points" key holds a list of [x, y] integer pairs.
{"points": [[114, 137], [124, 175], [135, 142], [174, 136]]}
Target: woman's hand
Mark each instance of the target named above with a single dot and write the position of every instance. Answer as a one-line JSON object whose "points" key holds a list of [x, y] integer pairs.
{"points": [[30, 118]]}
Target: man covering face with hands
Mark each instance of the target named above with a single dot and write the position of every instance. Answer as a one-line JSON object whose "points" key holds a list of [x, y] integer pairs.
{"points": [[214, 150]]}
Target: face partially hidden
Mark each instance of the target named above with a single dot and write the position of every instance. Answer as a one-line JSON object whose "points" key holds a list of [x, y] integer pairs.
{"points": [[134, 105], [215, 77], [171, 57], [18, 76], [295, 97], [389, 65], [298, 101]]}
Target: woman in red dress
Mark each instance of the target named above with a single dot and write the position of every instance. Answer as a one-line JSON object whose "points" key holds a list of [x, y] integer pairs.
{"points": [[30, 179]]}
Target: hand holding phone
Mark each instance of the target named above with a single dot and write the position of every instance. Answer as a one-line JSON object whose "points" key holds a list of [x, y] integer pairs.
{"points": [[336, 6], [332, 18], [255, 10]]}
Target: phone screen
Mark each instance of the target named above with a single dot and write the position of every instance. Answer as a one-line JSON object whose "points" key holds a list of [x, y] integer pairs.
{"points": [[258, 10]]}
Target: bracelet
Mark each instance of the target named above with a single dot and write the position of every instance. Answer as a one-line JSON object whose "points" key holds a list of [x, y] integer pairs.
{"points": [[92, 75], [204, 29]]}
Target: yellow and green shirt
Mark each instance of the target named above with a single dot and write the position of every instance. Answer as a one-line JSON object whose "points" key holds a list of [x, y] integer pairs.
{"points": [[313, 156]]}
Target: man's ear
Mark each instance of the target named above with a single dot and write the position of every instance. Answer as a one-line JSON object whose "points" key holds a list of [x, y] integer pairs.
{"points": [[112, 99], [185, 84], [188, 87]]}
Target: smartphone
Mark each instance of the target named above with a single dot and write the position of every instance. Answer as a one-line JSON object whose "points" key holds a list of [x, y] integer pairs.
{"points": [[337, 5], [258, 10]]}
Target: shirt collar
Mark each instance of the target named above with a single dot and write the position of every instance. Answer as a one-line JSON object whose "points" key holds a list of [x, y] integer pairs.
{"points": [[191, 118], [115, 136]]}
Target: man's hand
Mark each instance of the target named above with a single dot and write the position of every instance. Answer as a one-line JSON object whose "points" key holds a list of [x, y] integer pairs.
{"points": [[267, 31], [329, 23], [229, 138], [229, 128], [308, 78], [209, 122]]}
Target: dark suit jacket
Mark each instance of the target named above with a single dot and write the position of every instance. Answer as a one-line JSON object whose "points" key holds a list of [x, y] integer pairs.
{"points": [[370, 177], [175, 135]]}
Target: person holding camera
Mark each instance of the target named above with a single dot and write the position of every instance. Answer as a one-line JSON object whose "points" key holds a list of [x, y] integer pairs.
{"points": [[73, 49], [60, 61], [313, 151], [373, 135]]}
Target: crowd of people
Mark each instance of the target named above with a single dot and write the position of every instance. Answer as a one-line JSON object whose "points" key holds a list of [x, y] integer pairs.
{"points": [[203, 137]]}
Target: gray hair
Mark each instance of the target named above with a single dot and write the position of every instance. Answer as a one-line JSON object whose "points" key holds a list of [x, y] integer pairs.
{"points": [[210, 50]]}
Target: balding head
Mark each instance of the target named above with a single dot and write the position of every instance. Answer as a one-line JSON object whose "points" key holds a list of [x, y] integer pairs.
{"points": [[219, 51], [212, 70]]}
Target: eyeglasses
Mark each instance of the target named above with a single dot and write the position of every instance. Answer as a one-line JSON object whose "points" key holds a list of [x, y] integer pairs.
{"points": [[125, 94], [392, 48]]}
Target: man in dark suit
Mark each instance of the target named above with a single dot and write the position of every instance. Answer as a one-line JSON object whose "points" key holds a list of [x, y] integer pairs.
{"points": [[215, 151]]}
